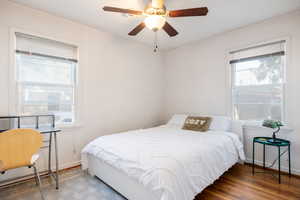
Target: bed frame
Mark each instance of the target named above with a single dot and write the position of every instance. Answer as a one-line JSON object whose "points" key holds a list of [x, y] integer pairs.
{"points": [[120, 182]]}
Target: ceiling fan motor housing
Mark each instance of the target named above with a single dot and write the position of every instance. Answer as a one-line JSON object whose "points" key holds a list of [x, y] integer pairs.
{"points": [[149, 10]]}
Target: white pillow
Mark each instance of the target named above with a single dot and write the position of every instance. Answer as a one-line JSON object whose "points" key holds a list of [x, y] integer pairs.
{"points": [[177, 121], [220, 123], [237, 128]]}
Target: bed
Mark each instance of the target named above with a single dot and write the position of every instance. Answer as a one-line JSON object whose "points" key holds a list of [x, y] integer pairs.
{"points": [[165, 162]]}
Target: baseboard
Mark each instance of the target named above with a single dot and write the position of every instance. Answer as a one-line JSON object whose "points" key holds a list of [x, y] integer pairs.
{"points": [[68, 165], [14, 181], [283, 168]]}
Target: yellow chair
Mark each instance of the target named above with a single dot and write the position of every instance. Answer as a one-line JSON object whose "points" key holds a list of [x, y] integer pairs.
{"points": [[19, 148]]}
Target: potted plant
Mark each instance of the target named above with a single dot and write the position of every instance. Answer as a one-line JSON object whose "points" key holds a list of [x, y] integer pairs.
{"points": [[274, 124]]}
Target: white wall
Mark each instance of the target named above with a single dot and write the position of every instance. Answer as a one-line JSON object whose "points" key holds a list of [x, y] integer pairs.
{"points": [[121, 80], [123, 83], [197, 76]]}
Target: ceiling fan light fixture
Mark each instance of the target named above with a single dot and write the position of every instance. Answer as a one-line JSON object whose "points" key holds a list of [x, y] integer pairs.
{"points": [[155, 22]]}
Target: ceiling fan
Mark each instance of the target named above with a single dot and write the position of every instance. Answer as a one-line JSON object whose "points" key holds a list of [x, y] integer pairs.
{"points": [[156, 14]]}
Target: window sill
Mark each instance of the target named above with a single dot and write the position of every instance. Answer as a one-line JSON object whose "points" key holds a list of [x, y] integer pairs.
{"points": [[69, 126], [257, 125]]}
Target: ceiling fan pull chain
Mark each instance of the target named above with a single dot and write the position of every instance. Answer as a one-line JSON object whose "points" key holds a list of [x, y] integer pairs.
{"points": [[155, 42]]}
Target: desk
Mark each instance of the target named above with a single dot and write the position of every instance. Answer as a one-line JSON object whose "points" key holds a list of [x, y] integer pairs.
{"points": [[52, 131]]}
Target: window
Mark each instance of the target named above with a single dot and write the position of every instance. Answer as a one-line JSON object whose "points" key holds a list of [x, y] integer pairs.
{"points": [[45, 78], [258, 82]]}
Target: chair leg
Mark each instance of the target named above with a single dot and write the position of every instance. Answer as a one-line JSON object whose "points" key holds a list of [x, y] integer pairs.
{"points": [[37, 176]]}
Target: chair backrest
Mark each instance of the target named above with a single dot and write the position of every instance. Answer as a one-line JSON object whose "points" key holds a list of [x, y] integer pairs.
{"points": [[17, 146]]}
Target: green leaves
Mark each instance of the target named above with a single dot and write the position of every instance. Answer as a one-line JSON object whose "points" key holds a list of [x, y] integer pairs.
{"points": [[272, 123]]}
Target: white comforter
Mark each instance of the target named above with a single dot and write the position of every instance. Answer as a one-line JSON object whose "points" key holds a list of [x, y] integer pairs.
{"points": [[174, 164]]}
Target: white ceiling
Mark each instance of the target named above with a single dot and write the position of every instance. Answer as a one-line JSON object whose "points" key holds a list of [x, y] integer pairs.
{"points": [[223, 15]]}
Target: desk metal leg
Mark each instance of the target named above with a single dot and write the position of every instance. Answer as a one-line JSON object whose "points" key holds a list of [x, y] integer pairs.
{"points": [[55, 176], [264, 156], [253, 157], [50, 151], [289, 149], [56, 161], [279, 178]]}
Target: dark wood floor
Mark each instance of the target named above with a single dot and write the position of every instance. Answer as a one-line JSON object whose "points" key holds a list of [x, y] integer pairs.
{"points": [[239, 184], [236, 184]]}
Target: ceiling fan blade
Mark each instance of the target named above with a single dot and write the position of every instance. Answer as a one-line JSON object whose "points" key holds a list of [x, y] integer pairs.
{"points": [[137, 29], [170, 30], [122, 10], [189, 12]]}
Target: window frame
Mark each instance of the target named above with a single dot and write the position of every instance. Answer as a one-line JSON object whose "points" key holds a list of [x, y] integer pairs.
{"points": [[13, 79], [231, 76]]}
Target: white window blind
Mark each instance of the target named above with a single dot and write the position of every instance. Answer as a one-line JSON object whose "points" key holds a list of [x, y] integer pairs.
{"points": [[258, 82], [46, 77]]}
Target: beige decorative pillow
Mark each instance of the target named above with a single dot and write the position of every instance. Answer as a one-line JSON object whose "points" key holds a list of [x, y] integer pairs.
{"points": [[197, 123]]}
